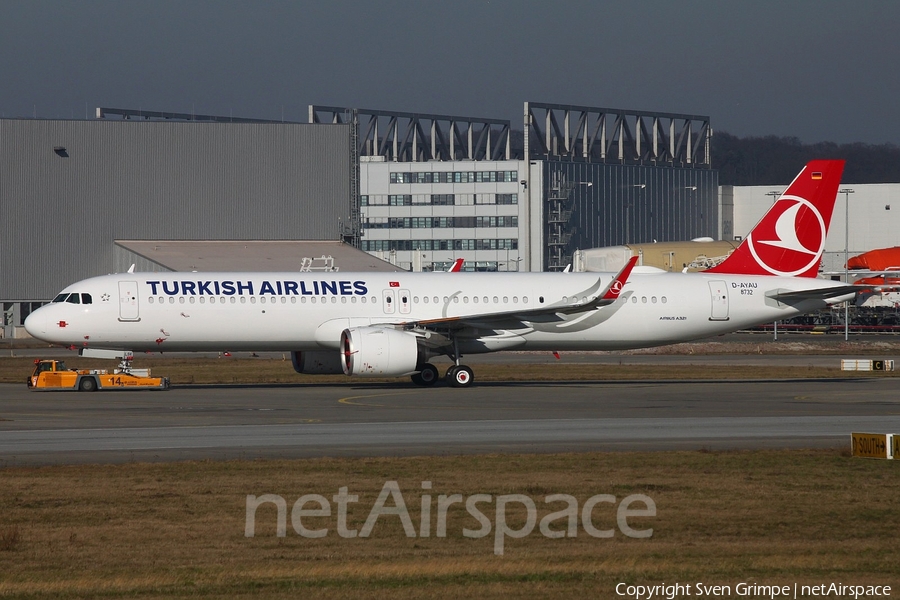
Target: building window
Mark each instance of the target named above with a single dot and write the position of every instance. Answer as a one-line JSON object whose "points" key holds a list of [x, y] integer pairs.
{"points": [[426, 245], [400, 200], [442, 200]]}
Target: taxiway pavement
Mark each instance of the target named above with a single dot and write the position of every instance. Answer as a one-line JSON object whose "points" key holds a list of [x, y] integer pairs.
{"points": [[196, 422]]}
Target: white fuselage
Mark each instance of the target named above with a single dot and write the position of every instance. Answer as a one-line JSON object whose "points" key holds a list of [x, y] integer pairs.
{"points": [[308, 311]]}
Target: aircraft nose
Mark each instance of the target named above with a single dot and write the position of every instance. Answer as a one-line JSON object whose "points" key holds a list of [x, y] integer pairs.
{"points": [[36, 324]]}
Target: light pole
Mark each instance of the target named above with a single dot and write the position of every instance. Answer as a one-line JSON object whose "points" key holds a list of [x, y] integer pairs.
{"points": [[846, 192], [628, 205]]}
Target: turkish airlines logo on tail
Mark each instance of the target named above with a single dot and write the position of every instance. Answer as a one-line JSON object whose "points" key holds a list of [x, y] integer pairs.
{"points": [[792, 242], [616, 288]]}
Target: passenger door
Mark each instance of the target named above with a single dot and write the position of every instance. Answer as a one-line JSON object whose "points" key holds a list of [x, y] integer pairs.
{"points": [[718, 295], [128, 301]]}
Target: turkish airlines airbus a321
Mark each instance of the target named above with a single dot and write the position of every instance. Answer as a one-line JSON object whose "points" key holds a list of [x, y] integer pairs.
{"points": [[391, 324]]}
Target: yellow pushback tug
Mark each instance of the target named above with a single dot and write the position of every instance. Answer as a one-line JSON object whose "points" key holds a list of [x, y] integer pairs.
{"points": [[53, 375]]}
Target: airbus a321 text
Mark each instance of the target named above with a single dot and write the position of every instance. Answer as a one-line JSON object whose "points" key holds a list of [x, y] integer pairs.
{"points": [[392, 324]]}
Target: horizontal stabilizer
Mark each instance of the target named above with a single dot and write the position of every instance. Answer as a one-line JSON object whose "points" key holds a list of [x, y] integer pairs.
{"points": [[819, 293]]}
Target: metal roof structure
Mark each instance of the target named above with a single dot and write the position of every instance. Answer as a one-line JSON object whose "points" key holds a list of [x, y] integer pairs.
{"points": [[566, 132], [245, 255], [402, 137], [129, 114]]}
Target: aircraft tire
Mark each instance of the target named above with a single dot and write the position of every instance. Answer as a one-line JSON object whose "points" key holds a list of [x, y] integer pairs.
{"points": [[87, 384], [427, 376], [460, 376]]}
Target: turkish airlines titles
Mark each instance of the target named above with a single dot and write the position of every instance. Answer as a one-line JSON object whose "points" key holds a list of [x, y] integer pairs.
{"points": [[247, 288]]}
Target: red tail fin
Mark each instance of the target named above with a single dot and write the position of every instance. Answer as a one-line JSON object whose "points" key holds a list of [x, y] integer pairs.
{"points": [[790, 238]]}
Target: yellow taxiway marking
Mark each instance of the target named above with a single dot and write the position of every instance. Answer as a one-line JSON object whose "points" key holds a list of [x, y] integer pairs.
{"points": [[348, 399]]}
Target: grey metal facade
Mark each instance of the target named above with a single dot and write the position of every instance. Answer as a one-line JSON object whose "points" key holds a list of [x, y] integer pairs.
{"points": [[624, 204], [68, 189], [614, 176]]}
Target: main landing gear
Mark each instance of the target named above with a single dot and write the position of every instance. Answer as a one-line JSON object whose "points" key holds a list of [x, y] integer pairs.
{"points": [[460, 376], [457, 376], [427, 375]]}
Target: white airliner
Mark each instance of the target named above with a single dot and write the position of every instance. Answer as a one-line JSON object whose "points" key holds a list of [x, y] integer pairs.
{"points": [[391, 324]]}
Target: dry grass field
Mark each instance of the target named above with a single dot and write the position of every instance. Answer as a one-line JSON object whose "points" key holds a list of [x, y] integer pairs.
{"points": [[266, 370], [178, 530]]}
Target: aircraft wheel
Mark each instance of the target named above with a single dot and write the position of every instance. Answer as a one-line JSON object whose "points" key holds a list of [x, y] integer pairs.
{"points": [[460, 376], [88, 384], [427, 376]]}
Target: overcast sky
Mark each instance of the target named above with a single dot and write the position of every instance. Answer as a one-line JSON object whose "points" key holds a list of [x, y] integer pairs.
{"points": [[825, 70]]}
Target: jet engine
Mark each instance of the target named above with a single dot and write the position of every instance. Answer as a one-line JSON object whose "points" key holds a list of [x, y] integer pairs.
{"points": [[378, 352], [317, 363]]}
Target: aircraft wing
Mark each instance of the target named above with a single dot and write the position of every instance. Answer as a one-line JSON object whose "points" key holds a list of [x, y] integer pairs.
{"points": [[607, 296]]}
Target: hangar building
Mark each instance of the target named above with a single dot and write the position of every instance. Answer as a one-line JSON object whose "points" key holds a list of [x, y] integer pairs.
{"points": [[872, 211], [69, 189], [436, 187]]}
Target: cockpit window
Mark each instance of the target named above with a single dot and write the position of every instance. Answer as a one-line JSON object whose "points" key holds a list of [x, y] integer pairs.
{"points": [[73, 299], [86, 299], [61, 298]]}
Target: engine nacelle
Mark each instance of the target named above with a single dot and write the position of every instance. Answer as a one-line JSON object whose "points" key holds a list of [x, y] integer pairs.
{"points": [[317, 363], [378, 352]]}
